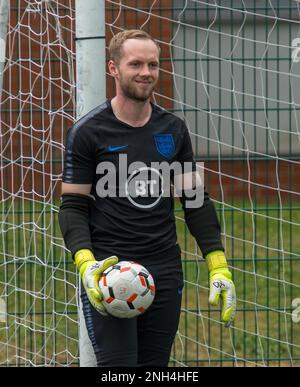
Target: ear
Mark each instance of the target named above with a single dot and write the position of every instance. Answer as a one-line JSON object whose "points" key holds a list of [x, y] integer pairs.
{"points": [[113, 68]]}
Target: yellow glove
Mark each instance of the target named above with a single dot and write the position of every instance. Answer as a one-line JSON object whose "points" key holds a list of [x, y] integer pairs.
{"points": [[222, 285], [90, 271]]}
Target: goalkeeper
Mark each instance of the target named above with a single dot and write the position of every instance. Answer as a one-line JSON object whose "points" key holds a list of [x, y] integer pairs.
{"points": [[101, 226]]}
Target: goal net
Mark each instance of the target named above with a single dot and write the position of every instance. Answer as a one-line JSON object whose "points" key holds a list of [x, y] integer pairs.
{"points": [[231, 69], [37, 278]]}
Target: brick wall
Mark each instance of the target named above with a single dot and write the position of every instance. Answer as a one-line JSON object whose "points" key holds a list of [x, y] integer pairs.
{"points": [[264, 181]]}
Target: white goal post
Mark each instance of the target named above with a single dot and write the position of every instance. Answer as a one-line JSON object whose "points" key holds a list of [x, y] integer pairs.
{"points": [[91, 92], [3, 31]]}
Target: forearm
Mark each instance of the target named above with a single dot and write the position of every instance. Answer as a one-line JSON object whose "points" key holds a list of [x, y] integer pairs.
{"points": [[73, 220], [204, 225]]}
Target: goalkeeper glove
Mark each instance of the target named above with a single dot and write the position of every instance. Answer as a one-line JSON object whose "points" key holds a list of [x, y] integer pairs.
{"points": [[222, 285], [90, 271]]}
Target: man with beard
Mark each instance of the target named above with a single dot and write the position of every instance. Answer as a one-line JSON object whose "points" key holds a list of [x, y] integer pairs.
{"points": [[102, 224]]}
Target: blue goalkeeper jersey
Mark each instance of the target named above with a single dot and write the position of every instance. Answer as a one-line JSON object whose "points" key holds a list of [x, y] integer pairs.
{"points": [[132, 214]]}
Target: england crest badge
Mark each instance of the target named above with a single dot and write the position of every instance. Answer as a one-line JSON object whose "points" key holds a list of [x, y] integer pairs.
{"points": [[165, 144]]}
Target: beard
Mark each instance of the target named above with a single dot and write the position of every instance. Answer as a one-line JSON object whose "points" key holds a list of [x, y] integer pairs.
{"points": [[135, 91]]}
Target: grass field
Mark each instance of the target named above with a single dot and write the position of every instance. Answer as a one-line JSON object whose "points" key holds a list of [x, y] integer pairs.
{"points": [[266, 272], [38, 282]]}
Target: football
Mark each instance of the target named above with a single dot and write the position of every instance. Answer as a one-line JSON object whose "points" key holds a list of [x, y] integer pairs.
{"points": [[128, 289]]}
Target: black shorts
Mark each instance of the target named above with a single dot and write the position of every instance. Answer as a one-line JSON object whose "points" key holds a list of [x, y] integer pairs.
{"points": [[145, 340]]}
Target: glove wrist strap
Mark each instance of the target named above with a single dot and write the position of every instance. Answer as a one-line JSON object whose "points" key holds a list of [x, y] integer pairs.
{"points": [[83, 256], [216, 260]]}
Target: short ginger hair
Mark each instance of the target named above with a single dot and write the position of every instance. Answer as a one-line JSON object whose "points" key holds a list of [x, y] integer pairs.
{"points": [[116, 43]]}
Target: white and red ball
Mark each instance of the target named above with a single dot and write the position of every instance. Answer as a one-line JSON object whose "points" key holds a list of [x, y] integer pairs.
{"points": [[128, 289]]}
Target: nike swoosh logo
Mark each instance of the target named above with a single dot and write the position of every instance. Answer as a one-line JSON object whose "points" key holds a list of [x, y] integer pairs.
{"points": [[116, 148]]}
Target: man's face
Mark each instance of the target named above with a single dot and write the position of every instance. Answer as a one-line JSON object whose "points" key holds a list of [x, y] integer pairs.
{"points": [[138, 69]]}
